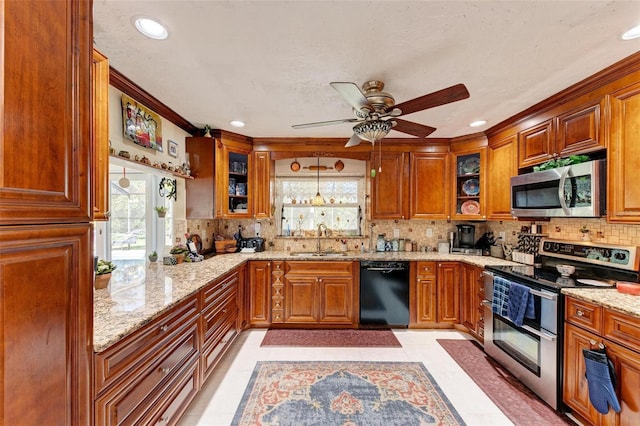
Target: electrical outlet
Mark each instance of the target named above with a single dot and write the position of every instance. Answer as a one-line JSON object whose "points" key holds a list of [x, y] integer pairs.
{"points": [[502, 235], [429, 232], [396, 233]]}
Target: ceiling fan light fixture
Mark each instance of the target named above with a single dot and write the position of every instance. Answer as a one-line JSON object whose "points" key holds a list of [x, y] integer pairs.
{"points": [[372, 130], [318, 200]]}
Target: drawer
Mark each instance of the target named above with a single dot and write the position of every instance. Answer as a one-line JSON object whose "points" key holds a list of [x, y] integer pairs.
{"points": [[212, 352], [622, 329], [330, 268], [213, 317], [584, 314], [138, 392], [426, 268], [217, 289], [142, 346], [175, 400]]}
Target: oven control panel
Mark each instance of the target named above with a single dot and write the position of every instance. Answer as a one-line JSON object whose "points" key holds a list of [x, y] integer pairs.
{"points": [[623, 257]]}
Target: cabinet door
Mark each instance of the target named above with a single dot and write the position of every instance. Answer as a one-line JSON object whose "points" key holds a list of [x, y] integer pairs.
{"points": [[100, 137], [234, 186], [301, 301], [448, 292], [201, 190], [429, 188], [426, 299], [45, 113], [336, 300], [469, 314], [261, 175], [627, 365], [47, 330], [502, 165], [580, 131], [575, 386], [536, 144], [260, 293], [388, 187], [469, 183], [623, 158]]}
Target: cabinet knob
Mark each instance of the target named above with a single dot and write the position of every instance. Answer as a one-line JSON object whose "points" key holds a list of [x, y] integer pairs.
{"points": [[580, 314], [165, 370], [224, 311], [319, 280], [164, 328], [163, 421]]}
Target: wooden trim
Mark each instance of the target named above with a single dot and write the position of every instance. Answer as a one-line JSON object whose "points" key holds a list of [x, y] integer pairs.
{"points": [[620, 69], [122, 83]]}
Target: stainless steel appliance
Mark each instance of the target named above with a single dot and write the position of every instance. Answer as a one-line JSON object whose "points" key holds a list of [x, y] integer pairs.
{"points": [[384, 293], [576, 190], [532, 351], [466, 236]]}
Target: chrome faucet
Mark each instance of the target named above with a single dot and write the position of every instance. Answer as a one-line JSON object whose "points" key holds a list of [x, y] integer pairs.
{"points": [[320, 226]]}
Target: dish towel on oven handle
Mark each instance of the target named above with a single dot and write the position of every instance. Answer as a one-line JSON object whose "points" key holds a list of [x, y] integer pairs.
{"points": [[601, 378], [500, 298], [520, 304]]}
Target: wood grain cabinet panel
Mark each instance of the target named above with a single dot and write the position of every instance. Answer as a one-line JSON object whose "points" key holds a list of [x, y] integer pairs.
{"points": [[389, 198], [429, 186], [580, 130], [535, 144], [260, 293], [471, 299], [584, 314], [100, 137], [448, 292], [623, 157], [262, 180], [425, 299], [502, 159]]}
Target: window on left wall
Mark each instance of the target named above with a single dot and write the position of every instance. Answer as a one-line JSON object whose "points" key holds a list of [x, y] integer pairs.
{"points": [[135, 229]]}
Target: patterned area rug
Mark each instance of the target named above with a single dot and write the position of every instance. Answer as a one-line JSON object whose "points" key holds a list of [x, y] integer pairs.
{"points": [[289, 393], [330, 338], [516, 401]]}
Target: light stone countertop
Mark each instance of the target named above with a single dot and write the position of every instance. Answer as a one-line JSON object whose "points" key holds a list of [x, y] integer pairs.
{"points": [[141, 291], [609, 298]]}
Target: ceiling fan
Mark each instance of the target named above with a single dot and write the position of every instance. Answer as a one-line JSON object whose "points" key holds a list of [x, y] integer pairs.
{"points": [[376, 111]]}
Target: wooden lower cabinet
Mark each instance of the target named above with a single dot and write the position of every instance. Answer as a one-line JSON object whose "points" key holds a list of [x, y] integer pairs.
{"points": [[448, 292], [152, 375], [259, 289], [620, 335], [425, 293], [472, 293], [320, 293]]}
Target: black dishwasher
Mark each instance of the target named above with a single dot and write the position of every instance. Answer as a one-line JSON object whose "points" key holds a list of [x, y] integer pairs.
{"points": [[384, 293]]}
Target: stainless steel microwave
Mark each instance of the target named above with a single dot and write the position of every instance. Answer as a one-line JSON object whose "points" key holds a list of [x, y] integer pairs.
{"points": [[571, 191]]}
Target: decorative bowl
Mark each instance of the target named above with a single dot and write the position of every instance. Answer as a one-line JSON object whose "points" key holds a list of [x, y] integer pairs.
{"points": [[566, 270]]}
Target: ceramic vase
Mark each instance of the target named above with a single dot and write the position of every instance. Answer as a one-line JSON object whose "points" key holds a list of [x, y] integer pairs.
{"points": [[101, 281]]}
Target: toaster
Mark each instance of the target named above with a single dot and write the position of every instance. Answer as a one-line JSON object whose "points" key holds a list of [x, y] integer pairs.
{"points": [[256, 243]]}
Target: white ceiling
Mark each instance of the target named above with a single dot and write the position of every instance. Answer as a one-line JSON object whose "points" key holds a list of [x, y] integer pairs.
{"points": [[269, 63]]}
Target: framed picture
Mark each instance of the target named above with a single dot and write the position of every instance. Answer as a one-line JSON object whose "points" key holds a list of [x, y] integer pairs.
{"points": [[141, 125], [173, 148]]}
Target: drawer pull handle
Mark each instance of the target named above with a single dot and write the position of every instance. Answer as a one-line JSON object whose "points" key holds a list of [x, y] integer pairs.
{"points": [[163, 421], [580, 313], [224, 311], [165, 370], [164, 328]]}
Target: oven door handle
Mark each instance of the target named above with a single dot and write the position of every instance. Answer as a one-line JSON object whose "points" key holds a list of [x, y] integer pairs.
{"points": [[547, 296], [541, 334]]}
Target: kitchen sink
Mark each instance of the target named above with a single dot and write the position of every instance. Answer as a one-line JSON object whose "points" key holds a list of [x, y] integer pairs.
{"points": [[317, 254]]}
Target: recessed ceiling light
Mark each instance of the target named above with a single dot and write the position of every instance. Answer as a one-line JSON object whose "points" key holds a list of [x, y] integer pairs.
{"points": [[477, 123], [151, 28], [632, 33], [237, 123]]}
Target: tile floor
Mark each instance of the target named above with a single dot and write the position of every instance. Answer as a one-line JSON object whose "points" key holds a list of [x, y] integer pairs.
{"points": [[220, 396]]}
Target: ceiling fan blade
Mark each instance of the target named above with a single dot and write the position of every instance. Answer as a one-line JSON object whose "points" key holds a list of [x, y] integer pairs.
{"points": [[324, 123], [441, 97], [355, 140], [411, 128], [352, 93]]}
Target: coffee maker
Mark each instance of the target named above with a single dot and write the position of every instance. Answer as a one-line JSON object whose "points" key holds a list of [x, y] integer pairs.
{"points": [[465, 239]]}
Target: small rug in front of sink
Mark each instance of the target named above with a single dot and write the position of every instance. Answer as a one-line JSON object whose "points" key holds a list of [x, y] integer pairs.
{"points": [[330, 338], [293, 393]]}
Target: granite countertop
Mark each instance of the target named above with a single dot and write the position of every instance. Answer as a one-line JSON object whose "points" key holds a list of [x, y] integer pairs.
{"points": [[609, 298], [140, 291]]}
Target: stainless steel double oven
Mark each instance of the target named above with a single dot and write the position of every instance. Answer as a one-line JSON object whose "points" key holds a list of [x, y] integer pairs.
{"points": [[533, 351]]}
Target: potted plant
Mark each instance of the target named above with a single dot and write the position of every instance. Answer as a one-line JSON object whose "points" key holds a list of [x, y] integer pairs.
{"points": [[103, 273], [179, 251], [161, 210], [153, 257]]}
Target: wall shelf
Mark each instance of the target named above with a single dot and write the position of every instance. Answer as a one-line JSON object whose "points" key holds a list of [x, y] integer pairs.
{"points": [[123, 161]]}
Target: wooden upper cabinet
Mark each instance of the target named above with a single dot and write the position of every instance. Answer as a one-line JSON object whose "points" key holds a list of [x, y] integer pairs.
{"points": [[623, 160], [502, 164], [580, 130], [262, 180], [100, 137], [535, 144], [429, 186], [469, 183], [201, 200], [45, 137], [388, 187]]}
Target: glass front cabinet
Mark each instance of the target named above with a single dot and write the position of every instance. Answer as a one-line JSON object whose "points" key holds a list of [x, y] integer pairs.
{"points": [[469, 177]]}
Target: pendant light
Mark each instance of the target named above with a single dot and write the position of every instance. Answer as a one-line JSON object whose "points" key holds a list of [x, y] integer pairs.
{"points": [[124, 181], [318, 200]]}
